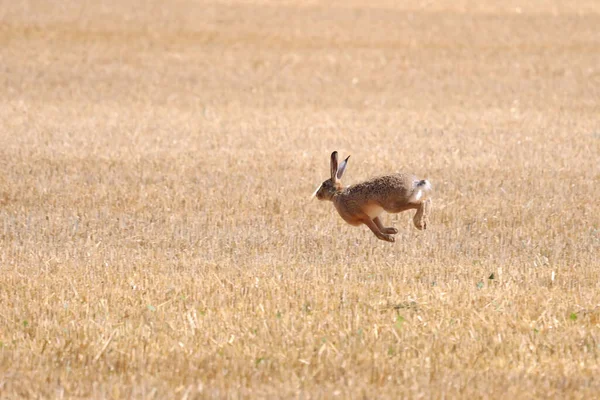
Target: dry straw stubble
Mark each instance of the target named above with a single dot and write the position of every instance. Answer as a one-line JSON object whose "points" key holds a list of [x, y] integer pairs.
{"points": [[156, 234]]}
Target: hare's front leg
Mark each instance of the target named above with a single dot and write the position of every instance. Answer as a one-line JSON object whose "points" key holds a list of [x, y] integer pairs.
{"points": [[390, 230], [422, 215], [380, 235]]}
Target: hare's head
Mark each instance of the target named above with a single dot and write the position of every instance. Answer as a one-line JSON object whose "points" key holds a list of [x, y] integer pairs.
{"points": [[332, 185]]}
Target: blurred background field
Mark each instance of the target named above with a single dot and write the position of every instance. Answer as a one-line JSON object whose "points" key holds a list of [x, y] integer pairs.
{"points": [[157, 239]]}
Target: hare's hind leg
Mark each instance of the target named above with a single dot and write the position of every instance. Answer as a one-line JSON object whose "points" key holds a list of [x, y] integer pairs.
{"points": [[375, 229], [390, 230], [422, 215]]}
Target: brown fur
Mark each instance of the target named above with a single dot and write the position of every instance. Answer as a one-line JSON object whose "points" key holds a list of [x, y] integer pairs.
{"points": [[363, 202]]}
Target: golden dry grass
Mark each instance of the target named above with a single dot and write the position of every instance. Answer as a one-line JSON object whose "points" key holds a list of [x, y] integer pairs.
{"points": [[156, 236]]}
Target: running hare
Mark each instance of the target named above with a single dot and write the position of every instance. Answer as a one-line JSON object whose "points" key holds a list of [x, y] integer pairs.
{"points": [[362, 203]]}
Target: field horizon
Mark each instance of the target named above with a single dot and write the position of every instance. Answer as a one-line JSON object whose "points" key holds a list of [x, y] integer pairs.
{"points": [[157, 236]]}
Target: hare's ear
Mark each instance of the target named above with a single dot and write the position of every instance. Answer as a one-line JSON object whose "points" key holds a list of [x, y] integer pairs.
{"points": [[342, 168], [334, 164]]}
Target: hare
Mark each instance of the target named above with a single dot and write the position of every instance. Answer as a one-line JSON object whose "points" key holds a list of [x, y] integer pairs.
{"points": [[363, 202]]}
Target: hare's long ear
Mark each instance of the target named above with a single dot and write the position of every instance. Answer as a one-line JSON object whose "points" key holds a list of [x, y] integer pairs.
{"points": [[342, 168], [334, 164]]}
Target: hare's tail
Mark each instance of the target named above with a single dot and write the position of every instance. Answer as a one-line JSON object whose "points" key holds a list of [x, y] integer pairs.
{"points": [[422, 191]]}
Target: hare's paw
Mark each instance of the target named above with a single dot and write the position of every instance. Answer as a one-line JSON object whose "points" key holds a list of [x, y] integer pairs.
{"points": [[422, 215], [420, 225], [388, 238], [391, 231], [420, 221]]}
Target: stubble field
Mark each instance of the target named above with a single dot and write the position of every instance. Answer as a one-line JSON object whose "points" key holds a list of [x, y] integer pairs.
{"points": [[157, 239]]}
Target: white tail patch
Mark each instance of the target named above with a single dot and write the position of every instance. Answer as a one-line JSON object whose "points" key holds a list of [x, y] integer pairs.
{"points": [[422, 191], [315, 192], [418, 195]]}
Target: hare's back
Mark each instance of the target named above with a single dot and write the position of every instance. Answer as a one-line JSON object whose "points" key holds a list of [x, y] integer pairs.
{"points": [[384, 187], [399, 183]]}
